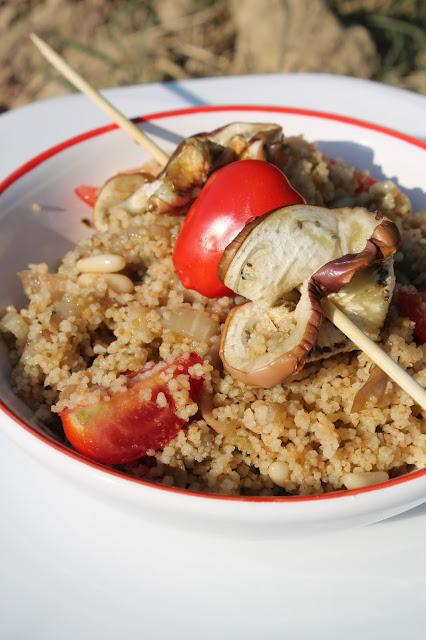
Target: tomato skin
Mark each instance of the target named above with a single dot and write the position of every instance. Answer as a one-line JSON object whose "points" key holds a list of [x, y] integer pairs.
{"points": [[231, 197], [87, 193], [127, 425], [364, 182], [412, 305]]}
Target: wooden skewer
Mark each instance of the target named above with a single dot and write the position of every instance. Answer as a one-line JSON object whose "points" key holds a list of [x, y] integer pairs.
{"points": [[375, 353], [80, 83], [335, 315]]}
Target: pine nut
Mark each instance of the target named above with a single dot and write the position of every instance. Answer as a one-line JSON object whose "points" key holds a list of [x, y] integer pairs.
{"points": [[118, 282], [358, 480], [115, 281], [279, 473], [103, 263], [87, 279]]}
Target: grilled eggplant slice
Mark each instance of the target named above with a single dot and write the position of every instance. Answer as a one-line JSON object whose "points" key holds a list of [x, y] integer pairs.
{"points": [[342, 253]]}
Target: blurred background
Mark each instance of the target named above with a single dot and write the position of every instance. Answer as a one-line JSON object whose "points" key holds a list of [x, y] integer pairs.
{"points": [[114, 42]]}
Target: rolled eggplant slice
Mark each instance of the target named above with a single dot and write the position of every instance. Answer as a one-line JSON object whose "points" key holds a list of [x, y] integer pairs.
{"points": [[260, 354], [115, 191], [179, 183], [345, 253]]}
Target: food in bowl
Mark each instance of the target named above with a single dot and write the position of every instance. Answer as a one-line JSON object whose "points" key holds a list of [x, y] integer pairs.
{"points": [[120, 352]]}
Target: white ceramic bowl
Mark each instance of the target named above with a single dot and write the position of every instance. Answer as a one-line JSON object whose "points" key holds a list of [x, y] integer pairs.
{"points": [[27, 237]]}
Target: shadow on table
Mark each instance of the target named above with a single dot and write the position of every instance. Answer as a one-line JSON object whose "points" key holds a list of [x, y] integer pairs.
{"points": [[417, 512]]}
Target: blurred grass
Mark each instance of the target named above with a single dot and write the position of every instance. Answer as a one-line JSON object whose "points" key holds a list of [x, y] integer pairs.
{"points": [[398, 28], [116, 42]]}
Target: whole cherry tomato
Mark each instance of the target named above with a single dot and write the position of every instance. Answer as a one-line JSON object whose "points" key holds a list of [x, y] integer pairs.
{"points": [[231, 197]]}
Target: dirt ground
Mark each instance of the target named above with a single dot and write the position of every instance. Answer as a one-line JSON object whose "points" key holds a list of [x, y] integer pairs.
{"points": [[115, 42]]}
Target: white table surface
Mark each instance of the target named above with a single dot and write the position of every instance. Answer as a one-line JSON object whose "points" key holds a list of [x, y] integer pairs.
{"points": [[74, 567]]}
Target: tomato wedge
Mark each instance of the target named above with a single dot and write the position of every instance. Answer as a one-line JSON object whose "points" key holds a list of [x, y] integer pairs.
{"points": [[412, 304], [87, 193], [231, 197], [135, 421]]}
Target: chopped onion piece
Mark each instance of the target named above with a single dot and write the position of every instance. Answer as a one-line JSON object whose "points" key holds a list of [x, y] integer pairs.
{"points": [[14, 323], [30, 280], [205, 404], [190, 323], [34, 282], [375, 386]]}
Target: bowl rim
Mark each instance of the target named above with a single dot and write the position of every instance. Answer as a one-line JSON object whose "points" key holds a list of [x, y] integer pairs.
{"points": [[120, 476]]}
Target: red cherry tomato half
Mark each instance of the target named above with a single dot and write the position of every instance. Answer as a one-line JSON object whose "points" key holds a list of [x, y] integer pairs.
{"points": [[87, 193], [131, 422], [231, 197], [413, 305]]}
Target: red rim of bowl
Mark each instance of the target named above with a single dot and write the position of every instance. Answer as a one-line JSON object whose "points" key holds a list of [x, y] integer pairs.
{"points": [[40, 158]]}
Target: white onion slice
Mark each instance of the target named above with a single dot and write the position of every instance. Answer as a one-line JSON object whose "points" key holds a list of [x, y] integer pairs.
{"points": [[14, 323], [191, 323], [205, 404]]}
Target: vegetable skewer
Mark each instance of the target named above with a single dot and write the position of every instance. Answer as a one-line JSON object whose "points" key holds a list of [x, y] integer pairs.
{"points": [[335, 315]]}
